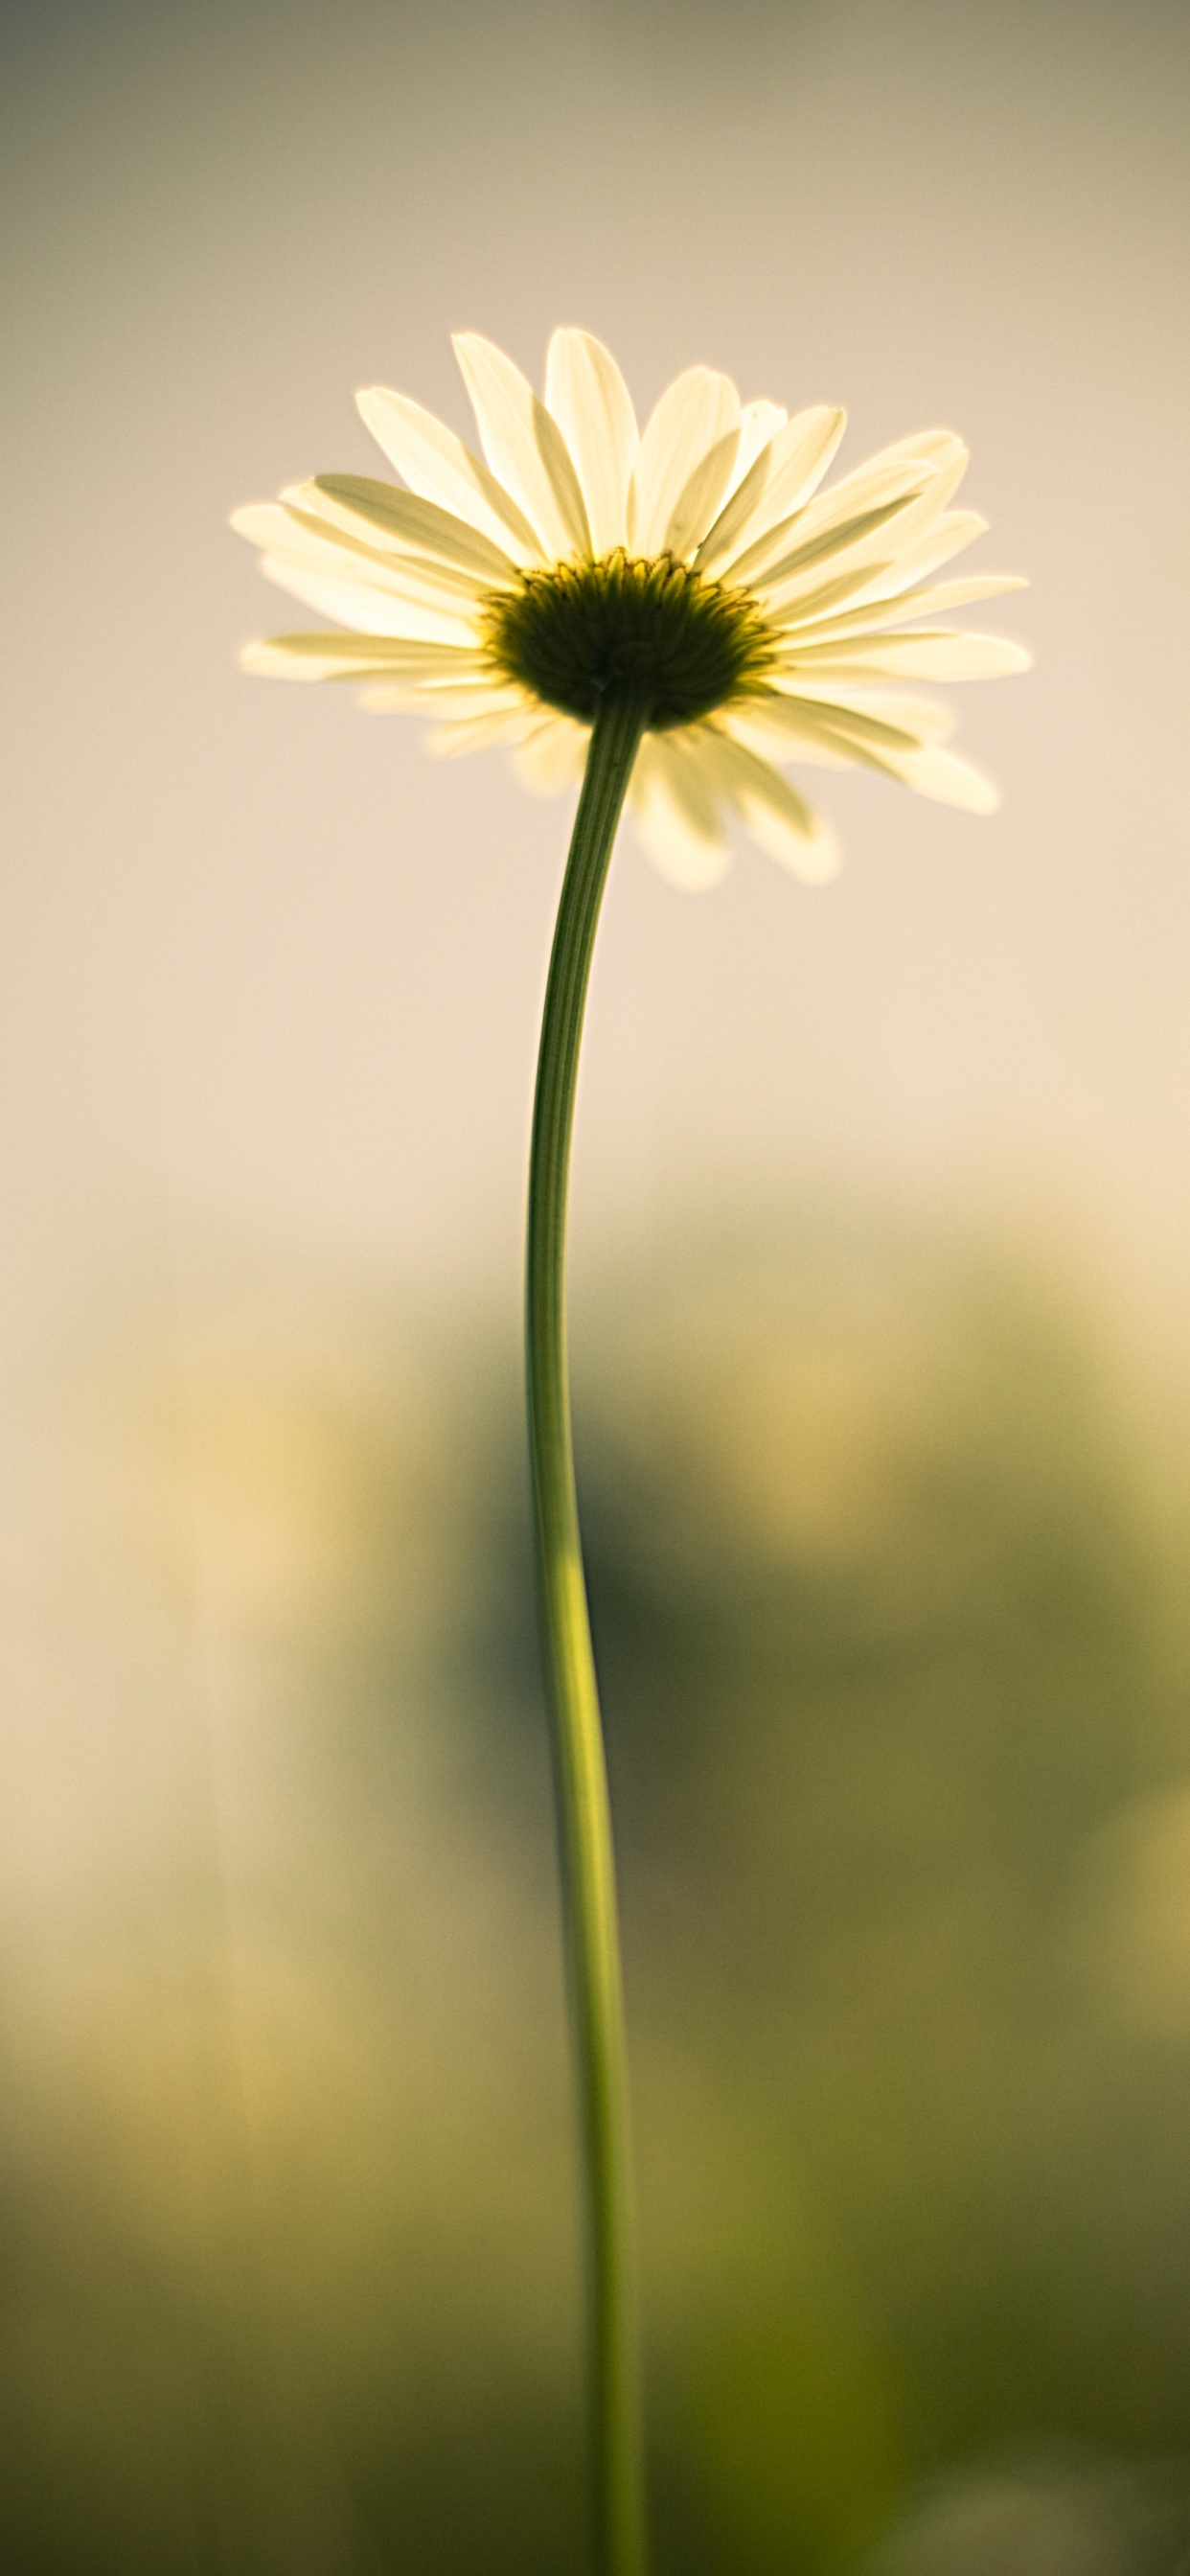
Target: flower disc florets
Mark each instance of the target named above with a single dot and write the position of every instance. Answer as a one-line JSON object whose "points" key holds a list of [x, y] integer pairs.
{"points": [[630, 627]]}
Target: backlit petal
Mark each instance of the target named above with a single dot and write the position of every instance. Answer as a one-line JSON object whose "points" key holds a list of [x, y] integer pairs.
{"points": [[524, 446], [494, 729], [294, 536], [328, 656], [587, 395], [677, 816], [945, 778], [701, 497], [837, 519], [877, 615], [785, 826], [942, 655], [435, 463], [410, 523], [780, 481], [552, 756], [696, 411], [372, 609]]}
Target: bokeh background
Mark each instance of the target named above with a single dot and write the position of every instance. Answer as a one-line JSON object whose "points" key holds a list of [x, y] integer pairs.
{"points": [[881, 1281]]}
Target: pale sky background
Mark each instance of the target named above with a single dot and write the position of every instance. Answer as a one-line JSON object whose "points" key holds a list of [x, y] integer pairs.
{"points": [[271, 973]]}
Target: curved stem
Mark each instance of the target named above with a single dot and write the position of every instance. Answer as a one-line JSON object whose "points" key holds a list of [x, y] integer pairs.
{"points": [[580, 1771]]}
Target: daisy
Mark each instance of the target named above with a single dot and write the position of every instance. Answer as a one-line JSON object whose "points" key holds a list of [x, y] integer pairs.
{"points": [[674, 617], [697, 567]]}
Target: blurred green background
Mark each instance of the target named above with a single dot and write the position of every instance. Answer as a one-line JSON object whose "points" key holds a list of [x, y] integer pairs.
{"points": [[887, 1549], [881, 1284]]}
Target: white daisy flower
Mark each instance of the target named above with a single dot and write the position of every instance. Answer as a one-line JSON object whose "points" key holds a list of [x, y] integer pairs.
{"points": [[697, 567]]}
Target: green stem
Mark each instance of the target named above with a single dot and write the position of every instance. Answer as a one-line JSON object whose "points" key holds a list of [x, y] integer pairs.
{"points": [[580, 1770]]}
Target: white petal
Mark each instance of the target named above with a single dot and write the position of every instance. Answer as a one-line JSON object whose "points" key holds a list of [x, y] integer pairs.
{"points": [[774, 813], [944, 655], [941, 448], [835, 729], [882, 478], [552, 757], [371, 609], [435, 463], [925, 518], [810, 600], [759, 424], [813, 858], [701, 497], [945, 451], [350, 657], [524, 446], [409, 523], [448, 701], [777, 733], [883, 718], [946, 778], [294, 536], [957, 594], [677, 816], [838, 519], [590, 401], [876, 616], [500, 727], [878, 573], [895, 715], [694, 413], [927, 550], [781, 481], [880, 742], [280, 529]]}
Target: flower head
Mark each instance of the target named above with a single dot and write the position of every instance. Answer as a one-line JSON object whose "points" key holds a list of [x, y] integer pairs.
{"points": [[696, 569]]}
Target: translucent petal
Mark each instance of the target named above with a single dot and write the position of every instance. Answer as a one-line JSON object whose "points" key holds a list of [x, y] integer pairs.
{"points": [[945, 451], [880, 716], [410, 523], [941, 448], [813, 598], [327, 656], [276, 527], [777, 733], [448, 700], [294, 536], [883, 478], [956, 594], [437, 465], [371, 609], [944, 777], [780, 481], [941, 655], [485, 732], [877, 615], [883, 742], [552, 757], [590, 401], [759, 424], [877, 574], [774, 813], [701, 497], [838, 519], [677, 815], [524, 446], [927, 549], [695, 412], [921, 520], [802, 726]]}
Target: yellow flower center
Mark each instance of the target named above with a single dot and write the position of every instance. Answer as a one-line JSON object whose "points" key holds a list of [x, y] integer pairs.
{"points": [[649, 630]]}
